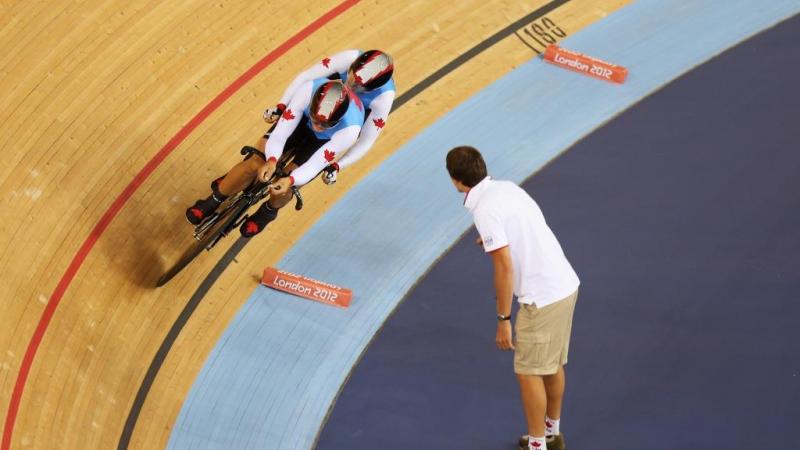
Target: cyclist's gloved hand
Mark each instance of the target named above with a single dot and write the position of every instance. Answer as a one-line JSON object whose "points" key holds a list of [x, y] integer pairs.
{"points": [[329, 173], [271, 115]]}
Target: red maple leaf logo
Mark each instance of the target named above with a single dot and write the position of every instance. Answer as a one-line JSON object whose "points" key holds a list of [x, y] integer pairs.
{"points": [[378, 122], [326, 62], [536, 444], [329, 155], [548, 424], [288, 114]]}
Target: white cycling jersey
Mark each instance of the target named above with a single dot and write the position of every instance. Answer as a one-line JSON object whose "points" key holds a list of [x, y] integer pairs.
{"points": [[379, 107], [374, 123], [341, 140]]}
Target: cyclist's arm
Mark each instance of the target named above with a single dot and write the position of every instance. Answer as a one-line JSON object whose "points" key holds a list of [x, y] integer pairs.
{"points": [[339, 62], [339, 143], [286, 125], [378, 116]]}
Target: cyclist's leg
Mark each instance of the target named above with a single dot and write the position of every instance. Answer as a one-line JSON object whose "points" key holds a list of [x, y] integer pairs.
{"points": [[241, 175], [245, 172], [236, 180], [205, 206], [304, 143]]}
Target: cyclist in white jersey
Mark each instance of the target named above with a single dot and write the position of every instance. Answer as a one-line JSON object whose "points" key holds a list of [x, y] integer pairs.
{"points": [[370, 75], [322, 119]]}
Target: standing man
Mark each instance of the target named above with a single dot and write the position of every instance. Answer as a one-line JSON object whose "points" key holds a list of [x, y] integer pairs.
{"points": [[529, 263]]}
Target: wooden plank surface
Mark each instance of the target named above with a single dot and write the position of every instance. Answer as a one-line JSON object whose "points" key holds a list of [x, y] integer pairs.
{"points": [[90, 92]]}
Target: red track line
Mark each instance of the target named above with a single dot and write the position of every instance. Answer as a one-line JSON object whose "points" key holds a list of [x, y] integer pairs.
{"points": [[128, 192]]}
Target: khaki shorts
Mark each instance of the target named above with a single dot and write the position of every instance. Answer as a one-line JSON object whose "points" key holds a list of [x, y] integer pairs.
{"points": [[542, 337]]}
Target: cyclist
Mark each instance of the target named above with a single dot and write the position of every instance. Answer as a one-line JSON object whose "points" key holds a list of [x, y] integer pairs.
{"points": [[370, 75], [323, 118]]}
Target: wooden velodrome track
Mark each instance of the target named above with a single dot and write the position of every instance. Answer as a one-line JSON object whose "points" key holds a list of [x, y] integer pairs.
{"points": [[93, 93]]}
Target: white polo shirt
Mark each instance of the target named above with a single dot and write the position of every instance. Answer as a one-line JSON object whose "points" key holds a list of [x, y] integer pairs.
{"points": [[505, 215]]}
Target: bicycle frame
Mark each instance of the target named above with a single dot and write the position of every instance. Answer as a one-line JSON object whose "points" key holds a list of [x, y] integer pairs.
{"points": [[242, 201], [231, 213]]}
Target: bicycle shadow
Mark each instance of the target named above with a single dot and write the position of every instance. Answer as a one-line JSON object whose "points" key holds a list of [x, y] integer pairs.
{"points": [[159, 235], [150, 241], [163, 247]]}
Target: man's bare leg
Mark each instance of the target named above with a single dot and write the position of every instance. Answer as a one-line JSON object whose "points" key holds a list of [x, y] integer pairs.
{"points": [[534, 401], [240, 176], [554, 387], [236, 180]]}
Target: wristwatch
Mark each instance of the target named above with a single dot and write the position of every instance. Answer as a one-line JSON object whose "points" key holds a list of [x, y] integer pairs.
{"points": [[501, 317]]}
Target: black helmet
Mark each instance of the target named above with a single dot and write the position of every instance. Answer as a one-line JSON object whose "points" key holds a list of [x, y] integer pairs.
{"points": [[329, 103], [371, 70]]}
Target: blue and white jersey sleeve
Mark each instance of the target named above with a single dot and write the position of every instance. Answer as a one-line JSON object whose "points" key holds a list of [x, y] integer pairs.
{"points": [[373, 125], [289, 120], [339, 143], [337, 63]]}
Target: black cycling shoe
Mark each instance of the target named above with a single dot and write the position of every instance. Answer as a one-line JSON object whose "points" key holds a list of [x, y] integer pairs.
{"points": [[202, 209], [257, 222]]}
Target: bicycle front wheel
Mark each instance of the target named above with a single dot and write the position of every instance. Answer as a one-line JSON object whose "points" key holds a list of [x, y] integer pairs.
{"points": [[210, 237]]}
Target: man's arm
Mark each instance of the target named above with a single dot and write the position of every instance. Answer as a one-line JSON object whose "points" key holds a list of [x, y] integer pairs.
{"points": [[339, 143], [372, 128], [286, 125], [339, 62], [504, 290]]}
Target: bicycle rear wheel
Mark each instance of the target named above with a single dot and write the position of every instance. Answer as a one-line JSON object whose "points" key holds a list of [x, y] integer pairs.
{"points": [[222, 226]]}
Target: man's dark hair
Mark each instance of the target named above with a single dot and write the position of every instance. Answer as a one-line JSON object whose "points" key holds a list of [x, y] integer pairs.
{"points": [[465, 164]]}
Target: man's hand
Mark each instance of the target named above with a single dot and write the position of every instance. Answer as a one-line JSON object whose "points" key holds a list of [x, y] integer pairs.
{"points": [[281, 186], [266, 171], [329, 173], [271, 115], [504, 338]]}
